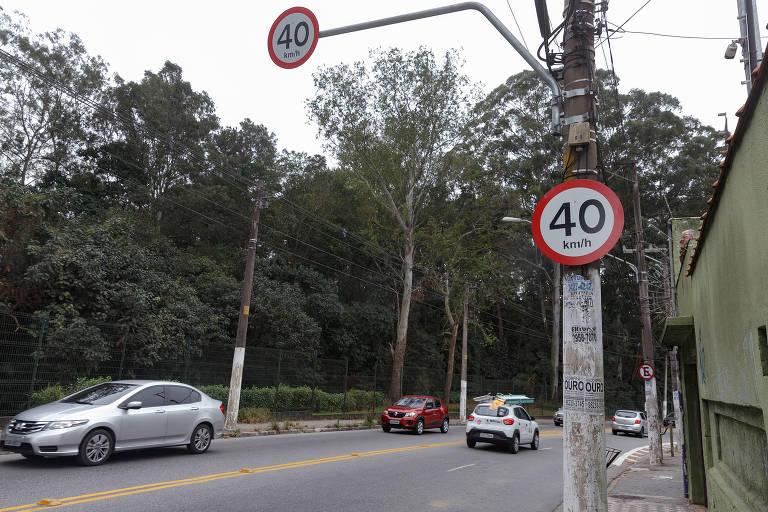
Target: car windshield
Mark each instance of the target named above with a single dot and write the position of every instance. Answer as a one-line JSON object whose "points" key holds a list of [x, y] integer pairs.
{"points": [[485, 410], [626, 414], [100, 394], [409, 401]]}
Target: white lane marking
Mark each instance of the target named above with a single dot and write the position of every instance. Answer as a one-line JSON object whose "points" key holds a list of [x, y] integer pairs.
{"points": [[621, 458], [549, 448], [460, 467]]}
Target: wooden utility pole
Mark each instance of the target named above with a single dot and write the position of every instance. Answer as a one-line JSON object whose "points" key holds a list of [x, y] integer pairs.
{"points": [[584, 472], [651, 396], [233, 402], [464, 334]]}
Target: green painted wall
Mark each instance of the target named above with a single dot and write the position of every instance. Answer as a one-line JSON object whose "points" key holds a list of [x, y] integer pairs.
{"points": [[727, 296]]}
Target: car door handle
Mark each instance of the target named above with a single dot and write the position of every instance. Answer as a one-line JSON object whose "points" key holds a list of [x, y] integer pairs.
{"points": [[160, 411], [194, 408]]}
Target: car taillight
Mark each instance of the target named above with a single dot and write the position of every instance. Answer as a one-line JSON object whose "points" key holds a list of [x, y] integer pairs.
{"points": [[471, 417], [613, 418], [637, 422], [509, 421], [223, 410]]}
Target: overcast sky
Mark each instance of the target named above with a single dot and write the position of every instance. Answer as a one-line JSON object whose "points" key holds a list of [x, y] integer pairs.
{"points": [[222, 48]]}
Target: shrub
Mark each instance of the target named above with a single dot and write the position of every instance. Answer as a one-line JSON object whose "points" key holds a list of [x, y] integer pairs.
{"points": [[57, 391], [252, 399], [217, 392]]}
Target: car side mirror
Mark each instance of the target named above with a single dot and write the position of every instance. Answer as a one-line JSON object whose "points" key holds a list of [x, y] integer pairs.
{"points": [[133, 405], [532, 418]]}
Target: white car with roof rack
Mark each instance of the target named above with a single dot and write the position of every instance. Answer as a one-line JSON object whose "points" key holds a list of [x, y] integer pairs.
{"points": [[502, 419]]}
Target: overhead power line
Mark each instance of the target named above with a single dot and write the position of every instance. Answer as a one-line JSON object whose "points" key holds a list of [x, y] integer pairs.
{"points": [[679, 36]]}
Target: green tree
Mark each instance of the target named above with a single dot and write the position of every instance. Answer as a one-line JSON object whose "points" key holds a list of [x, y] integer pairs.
{"points": [[166, 125], [42, 126], [391, 126]]}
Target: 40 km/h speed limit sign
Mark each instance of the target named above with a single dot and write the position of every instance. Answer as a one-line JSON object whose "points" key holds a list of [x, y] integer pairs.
{"points": [[577, 222], [293, 37]]}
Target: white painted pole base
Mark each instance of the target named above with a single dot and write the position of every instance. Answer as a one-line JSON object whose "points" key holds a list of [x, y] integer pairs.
{"points": [[233, 402], [654, 433], [463, 403]]}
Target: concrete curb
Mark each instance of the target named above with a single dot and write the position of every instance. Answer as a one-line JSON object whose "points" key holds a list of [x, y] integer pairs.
{"points": [[257, 433]]}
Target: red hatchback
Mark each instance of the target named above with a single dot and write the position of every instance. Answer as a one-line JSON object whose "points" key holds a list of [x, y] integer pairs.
{"points": [[415, 412]]}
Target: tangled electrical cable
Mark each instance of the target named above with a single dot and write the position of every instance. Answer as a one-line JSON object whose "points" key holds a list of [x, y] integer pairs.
{"points": [[553, 58]]}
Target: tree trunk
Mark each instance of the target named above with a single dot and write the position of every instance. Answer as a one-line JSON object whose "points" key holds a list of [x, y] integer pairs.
{"points": [[556, 313], [449, 366], [499, 321], [398, 354]]}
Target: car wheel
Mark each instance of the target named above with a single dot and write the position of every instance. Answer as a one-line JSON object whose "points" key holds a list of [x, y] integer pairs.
{"points": [[444, 426], [95, 448], [386, 428], [514, 446], [471, 443], [201, 439], [419, 427], [31, 456], [642, 432], [535, 442]]}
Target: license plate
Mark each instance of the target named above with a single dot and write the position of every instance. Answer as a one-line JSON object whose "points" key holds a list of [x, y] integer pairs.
{"points": [[485, 434], [395, 422], [12, 442]]}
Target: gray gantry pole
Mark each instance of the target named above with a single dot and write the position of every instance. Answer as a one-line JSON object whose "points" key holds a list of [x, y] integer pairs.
{"points": [[503, 30]]}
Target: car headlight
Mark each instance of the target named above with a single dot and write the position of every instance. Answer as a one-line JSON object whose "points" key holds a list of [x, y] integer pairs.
{"points": [[412, 413], [65, 424]]}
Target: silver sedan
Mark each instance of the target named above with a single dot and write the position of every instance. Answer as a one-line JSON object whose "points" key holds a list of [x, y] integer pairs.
{"points": [[116, 416], [629, 422]]}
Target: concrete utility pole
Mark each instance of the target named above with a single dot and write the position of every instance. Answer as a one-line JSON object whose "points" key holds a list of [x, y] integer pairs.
{"points": [[752, 49], [584, 472], [233, 402], [651, 398], [464, 334]]}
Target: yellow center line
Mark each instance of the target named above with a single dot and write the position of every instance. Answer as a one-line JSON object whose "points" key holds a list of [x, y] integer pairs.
{"points": [[126, 491]]}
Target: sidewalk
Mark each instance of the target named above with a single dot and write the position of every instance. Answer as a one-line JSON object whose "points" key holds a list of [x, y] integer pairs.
{"points": [[634, 485], [638, 486]]}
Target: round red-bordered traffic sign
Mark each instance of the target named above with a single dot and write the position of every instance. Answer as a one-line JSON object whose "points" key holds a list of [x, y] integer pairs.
{"points": [[577, 222], [293, 37], [646, 371]]}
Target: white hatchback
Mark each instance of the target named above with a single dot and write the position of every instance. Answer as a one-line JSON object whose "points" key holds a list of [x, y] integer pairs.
{"points": [[509, 425]]}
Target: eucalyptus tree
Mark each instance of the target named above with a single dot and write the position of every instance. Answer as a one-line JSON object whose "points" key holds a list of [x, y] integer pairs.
{"points": [[48, 83], [391, 125]]}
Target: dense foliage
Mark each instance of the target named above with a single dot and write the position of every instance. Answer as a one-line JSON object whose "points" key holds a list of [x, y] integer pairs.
{"points": [[129, 203]]}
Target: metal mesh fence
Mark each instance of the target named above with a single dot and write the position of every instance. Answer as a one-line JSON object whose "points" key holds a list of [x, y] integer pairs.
{"points": [[31, 359]]}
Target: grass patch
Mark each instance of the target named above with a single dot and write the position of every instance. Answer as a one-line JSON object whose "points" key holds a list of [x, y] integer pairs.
{"points": [[253, 415]]}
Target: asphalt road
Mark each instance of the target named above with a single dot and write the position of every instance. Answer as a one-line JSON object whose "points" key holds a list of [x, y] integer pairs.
{"points": [[333, 471]]}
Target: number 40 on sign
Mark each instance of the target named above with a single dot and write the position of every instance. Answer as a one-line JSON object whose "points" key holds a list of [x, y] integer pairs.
{"points": [[577, 222]]}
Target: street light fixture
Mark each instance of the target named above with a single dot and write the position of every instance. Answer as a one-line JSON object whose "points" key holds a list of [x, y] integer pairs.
{"points": [[515, 219]]}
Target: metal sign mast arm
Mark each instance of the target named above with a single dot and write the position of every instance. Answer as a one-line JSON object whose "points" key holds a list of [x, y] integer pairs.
{"points": [[503, 30]]}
